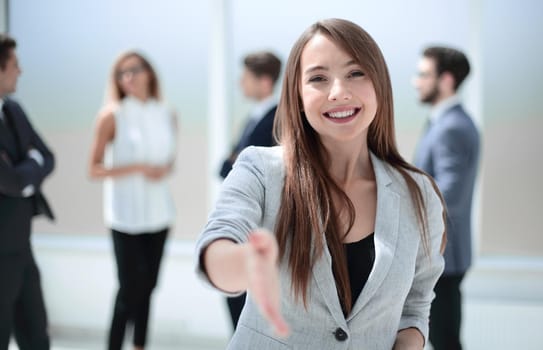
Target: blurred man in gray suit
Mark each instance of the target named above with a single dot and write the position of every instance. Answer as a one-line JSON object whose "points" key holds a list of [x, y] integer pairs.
{"points": [[449, 152]]}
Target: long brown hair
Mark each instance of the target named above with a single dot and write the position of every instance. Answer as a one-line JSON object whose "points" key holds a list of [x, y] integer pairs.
{"points": [[307, 209], [114, 91]]}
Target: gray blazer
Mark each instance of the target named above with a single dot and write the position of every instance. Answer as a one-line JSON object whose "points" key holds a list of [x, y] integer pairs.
{"points": [[399, 289], [449, 152]]}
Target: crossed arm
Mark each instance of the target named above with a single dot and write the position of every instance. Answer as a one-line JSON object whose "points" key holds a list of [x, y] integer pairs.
{"points": [[23, 178]]}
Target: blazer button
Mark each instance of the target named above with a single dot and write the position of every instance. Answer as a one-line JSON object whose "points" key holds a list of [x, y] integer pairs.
{"points": [[341, 335]]}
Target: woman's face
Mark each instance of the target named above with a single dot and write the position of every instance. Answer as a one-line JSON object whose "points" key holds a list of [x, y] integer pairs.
{"points": [[133, 78], [338, 98]]}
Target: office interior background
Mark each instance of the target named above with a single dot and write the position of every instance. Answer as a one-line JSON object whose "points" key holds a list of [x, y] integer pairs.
{"points": [[66, 49]]}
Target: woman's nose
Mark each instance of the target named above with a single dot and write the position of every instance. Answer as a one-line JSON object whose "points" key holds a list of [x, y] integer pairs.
{"points": [[339, 91]]}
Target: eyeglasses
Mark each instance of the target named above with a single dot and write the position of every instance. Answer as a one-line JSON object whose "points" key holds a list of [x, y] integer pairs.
{"points": [[426, 75], [129, 71]]}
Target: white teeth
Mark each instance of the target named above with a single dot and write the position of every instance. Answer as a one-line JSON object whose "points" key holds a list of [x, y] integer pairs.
{"points": [[343, 114]]}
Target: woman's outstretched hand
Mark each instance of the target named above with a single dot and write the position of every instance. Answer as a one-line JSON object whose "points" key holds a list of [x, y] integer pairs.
{"points": [[263, 278]]}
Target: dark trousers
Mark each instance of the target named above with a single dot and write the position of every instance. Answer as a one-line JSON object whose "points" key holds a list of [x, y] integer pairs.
{"points": [[446, 313], [138, 260], [22, 309], [235, 305]]}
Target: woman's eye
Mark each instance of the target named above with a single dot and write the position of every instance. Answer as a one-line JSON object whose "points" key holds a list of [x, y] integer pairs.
{"points": [[356, 73], [316, 79]]}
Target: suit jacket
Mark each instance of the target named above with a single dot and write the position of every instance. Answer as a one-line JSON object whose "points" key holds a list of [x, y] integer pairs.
{"points": [[260, 135], [449, 152], [17, 171], [397, 294]]}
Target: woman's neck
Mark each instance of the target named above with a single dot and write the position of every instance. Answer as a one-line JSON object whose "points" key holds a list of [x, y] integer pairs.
{"points": [[140, 97], [348, 163]]}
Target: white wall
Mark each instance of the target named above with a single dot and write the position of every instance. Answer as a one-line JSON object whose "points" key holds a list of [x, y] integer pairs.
{"points": [[3, 16]]}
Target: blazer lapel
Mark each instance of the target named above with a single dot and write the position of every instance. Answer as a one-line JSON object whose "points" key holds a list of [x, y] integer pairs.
{"points": [[6, 136], [386, 234], [12, 123], [9, 135], [324, 278]]}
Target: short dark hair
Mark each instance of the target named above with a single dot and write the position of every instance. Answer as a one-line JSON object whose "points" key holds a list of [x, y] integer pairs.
{"points": [[449, 60], [7, 44], [263, 63]]}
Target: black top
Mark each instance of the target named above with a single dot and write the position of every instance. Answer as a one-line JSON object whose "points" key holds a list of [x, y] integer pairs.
{"points": [[360, 258]]}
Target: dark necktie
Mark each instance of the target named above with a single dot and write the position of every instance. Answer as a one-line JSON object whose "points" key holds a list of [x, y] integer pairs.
{"points": [[7, 136]]}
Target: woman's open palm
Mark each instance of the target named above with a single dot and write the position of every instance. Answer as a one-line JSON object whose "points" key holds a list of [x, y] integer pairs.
{"points": [[263, 278]]}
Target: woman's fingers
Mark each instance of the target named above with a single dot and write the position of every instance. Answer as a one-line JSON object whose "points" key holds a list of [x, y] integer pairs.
{"points": [[276, 319], [264, 279], [264, 243]]}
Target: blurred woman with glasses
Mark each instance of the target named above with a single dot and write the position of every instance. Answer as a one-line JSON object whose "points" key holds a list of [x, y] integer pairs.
{"points": [[133, 151]]}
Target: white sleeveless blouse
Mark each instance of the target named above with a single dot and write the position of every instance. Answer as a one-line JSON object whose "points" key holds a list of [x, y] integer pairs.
{"points": [[144, 133]]}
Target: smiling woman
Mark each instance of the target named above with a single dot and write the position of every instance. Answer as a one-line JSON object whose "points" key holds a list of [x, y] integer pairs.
{"points": [[294, 218], [338, 98]]}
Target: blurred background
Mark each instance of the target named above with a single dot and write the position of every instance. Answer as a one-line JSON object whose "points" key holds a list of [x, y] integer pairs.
{"points": [[66, 48]]}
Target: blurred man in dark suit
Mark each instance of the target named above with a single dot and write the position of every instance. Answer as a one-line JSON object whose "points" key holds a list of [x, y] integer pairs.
{"points": [[25, 161], [260, 73]]}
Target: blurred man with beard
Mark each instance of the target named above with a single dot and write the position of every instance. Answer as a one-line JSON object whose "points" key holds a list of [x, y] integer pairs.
{"points": [[449, 152]]}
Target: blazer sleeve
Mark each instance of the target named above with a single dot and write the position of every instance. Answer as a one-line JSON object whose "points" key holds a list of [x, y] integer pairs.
{"points": [[15, 177], [429, 267], [239, 207], [452, 156]]}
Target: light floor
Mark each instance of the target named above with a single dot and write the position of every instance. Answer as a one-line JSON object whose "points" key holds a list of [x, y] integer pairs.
{"points": [[488, 324]]}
